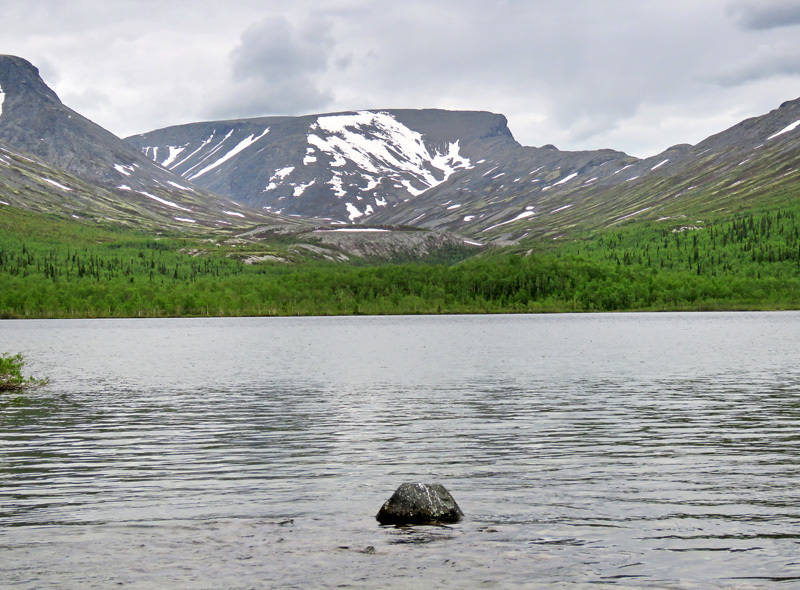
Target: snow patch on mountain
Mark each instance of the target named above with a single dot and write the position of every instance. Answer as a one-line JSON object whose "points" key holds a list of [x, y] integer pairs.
{"points": [[56, 184], [179, 186], [241, 146], [379, 146], [282, 173], [623, 168], [786, 129], [659, 165], [125, 170], [372, 184], [299, 189], [203, 144], [276, 178], [566, 179], [2, 100], [163, 201], [353, 211], [210, 154], [174, 152], [633, 214], [337, 184], [522, 215], [354, 230]]}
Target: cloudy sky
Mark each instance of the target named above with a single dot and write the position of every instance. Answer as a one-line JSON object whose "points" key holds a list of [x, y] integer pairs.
{"points": [[633, 75]]}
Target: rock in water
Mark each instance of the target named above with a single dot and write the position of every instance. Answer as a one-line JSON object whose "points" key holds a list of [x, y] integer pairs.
{"points": [[420, 503]]}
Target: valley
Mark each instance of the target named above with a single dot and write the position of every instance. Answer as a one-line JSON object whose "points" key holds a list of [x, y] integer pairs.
{"points": [[383, 212]]}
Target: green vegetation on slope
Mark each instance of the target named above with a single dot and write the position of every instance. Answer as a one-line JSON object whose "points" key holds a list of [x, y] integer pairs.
{"points": [[58, 269]]}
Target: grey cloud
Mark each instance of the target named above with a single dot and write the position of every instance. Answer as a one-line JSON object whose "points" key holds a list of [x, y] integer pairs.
{"points": [[759, 16], [90, 99], [275, 69], [274, 50], [586, 66], [762, 66], [576, 73]]}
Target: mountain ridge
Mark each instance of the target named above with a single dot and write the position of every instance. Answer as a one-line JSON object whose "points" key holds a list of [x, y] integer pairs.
{"points": [[454, 171], [54, 161], [502, 191], [95, 165], [345, 164]]}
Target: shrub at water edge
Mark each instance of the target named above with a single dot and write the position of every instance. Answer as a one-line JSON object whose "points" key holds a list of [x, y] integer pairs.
{"points": [[11, 378]]}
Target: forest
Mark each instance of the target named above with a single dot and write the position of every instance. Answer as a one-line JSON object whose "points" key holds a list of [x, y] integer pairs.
{"points": [[56, 269]]}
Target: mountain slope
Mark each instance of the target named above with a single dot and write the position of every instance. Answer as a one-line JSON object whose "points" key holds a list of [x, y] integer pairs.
{"points": [[460, 172], [27, 182], [463, 172], [343, 166], [753, 163], [101, 176]]}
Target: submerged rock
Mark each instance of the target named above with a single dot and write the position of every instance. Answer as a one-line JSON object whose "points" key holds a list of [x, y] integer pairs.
{"points": [[420, 503]]}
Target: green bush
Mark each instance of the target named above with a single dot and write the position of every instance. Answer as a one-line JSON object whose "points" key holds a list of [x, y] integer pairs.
{"points": [[11, 378]]}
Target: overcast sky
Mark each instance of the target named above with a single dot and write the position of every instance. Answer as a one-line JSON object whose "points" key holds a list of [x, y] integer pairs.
{"points": [[633, 75]]}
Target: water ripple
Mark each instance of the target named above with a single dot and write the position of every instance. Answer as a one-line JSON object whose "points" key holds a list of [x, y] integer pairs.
{"points": [[585, 468]]}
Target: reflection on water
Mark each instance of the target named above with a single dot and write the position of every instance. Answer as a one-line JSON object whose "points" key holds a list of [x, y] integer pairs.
{"points": [[648, 450]]}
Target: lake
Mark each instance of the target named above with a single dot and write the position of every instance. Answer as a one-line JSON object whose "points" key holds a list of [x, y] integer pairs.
{"points": [[587, 451]]}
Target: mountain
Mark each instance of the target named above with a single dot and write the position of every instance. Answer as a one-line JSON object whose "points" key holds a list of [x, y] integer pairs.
{"points": [[463, 171], [416, 167], [343, 166], [460, 172], [754, 162], [54, 159]]}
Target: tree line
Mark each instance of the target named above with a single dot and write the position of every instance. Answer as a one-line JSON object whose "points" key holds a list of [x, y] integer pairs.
{"points": [[751, 262]]}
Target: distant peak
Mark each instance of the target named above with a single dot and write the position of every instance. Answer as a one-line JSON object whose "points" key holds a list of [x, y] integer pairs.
{"points": [[17, 60], [790, 104], [18, 76]]}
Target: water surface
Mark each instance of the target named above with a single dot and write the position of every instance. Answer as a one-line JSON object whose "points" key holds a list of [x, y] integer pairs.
{"points": [[631, 450]]}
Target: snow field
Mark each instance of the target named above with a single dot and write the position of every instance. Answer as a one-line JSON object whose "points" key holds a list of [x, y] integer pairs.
{"points": [[380, 146]]}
